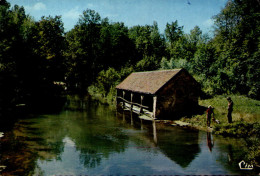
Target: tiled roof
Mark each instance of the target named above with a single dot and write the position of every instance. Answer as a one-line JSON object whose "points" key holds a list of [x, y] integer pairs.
{"points": [[147, 82]]}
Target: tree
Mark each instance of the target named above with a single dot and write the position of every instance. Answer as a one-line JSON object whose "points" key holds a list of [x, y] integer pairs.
{"points": [[83, 51], [4, 4], [140, 35], [237, 43], [158, 41], [49, 44], [12, 48], [173, 32], [175, 39], [26, 68], [116, 47], [149, 44]]}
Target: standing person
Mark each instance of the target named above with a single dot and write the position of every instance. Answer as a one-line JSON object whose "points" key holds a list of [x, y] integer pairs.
{"points": [[209, 113], [230, 109]]}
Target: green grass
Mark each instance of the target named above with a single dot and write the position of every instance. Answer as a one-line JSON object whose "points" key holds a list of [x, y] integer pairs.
{"points": [[246, 110], [246, 122]]}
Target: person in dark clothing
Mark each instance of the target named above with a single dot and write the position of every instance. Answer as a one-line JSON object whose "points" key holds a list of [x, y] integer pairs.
{"points": [[209, 113], [230, 109]]}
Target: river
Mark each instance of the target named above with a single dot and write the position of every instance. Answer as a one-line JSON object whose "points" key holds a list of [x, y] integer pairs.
{"points": [[88, 138]]}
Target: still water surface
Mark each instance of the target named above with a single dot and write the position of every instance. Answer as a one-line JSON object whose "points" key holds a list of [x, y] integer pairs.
{"points": [[99, 141]]}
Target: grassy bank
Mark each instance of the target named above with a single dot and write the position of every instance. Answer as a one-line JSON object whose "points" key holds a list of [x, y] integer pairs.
{"points": [[246, 111], [246, 122]]}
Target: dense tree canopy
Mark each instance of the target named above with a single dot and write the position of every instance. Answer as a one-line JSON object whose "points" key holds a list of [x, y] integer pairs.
{"points": [[97, 52], [237, 35], [30, 56]]}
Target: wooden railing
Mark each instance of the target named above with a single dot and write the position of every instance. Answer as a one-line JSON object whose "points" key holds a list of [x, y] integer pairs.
{"points": [[146, 107]]}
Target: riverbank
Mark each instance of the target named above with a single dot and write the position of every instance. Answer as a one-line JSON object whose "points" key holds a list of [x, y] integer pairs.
{"points": [[246, 111], [246, 118]]}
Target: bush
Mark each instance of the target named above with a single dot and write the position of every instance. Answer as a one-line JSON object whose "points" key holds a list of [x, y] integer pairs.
{"points": [[238, 129], [104, 87]]}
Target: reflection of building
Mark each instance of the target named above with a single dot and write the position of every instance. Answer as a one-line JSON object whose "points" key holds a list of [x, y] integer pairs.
{"points": [[179, 145], [159, 94]]}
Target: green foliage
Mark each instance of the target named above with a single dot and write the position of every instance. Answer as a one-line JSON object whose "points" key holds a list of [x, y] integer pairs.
{"points": [[175, 63], [236, 129], [26, 72], [253, 153], [49, 45], [12, 47], [98, 52], [246, 112], [225, 64], [107, 79], [147, 63], [246, 118], [237, 43], [173, 32], [95, 44], [83, 53], [249, 132], [148, 41]]}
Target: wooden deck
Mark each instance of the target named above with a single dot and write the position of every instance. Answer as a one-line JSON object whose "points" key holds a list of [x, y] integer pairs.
{"points": [[144, 114], [180, 123], [145, 117]]}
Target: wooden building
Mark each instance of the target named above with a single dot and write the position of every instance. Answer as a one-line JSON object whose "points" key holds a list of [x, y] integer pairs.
{"points": [[163, 94]]}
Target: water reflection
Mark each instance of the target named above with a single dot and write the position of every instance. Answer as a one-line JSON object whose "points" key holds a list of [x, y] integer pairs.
{"points": [[45, 136], [186, 147], [154, 132], [15, 157], [230, 153], [181, 146], [92, 140], [210, 142]]}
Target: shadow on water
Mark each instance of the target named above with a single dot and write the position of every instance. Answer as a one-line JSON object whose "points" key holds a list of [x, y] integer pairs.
{"points": [[180, 145]]}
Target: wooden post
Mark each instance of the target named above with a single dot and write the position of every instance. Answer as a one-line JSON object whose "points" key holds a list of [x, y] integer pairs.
{"points": [[123, 98], [141, 108], [131, 101], [154, 106]]}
